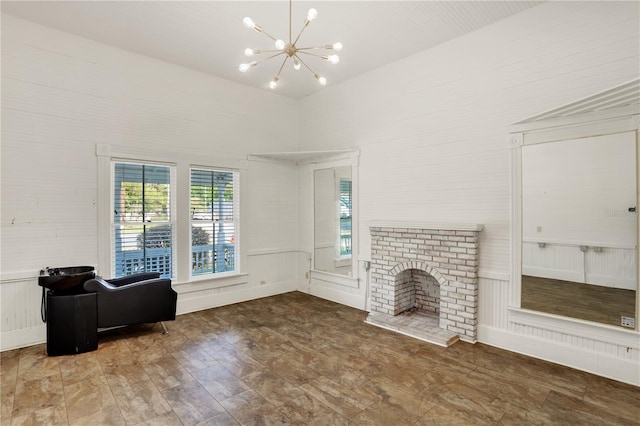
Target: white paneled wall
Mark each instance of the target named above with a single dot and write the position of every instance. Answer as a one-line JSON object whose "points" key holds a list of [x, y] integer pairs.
{"points": [[63, 95], [432, 133], [431, 130], [493, 296], [610, 267]]}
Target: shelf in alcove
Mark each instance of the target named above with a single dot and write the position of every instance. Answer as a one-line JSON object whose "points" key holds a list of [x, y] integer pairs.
{"points": [[303, 156]]}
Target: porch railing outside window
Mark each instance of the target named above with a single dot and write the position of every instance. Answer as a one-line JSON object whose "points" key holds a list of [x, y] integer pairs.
{"points": [[203, 260]]}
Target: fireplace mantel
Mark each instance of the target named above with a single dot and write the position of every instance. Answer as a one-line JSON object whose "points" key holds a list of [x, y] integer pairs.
{"points": [[453, 226]]}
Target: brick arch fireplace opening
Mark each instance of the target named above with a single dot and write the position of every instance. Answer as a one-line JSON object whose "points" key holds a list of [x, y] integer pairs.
{"points": [[424, 281], [416, 287]]}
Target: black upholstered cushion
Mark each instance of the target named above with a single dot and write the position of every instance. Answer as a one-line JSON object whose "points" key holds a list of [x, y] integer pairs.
{"points": [[129, 301]]}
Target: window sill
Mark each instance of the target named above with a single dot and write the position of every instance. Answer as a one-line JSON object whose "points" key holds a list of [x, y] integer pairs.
{"points": [[342, 262]]}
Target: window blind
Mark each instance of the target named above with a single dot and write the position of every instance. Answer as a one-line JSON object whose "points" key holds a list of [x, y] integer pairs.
{"points": [[345, 217], [142, 219], [213, 221]]}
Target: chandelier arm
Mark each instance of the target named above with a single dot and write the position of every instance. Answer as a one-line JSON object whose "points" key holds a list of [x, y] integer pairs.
{"points": [[307, 66], [280, 70], [313, 54], [266, 51], [266, 59], [306, 24], [315, 48], [266, 33]]}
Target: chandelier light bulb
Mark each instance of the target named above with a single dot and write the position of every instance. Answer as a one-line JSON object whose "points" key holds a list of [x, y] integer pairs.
{"points": [[296, 64], [248, 52], [337, 46], [279, 44], [248, 22], [244, 67], [312, 14], [334, 59], [322, 81], [273, 84]]}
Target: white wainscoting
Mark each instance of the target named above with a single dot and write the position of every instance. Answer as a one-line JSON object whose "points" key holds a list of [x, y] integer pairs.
{"points": [[337, 288], [611, 267], [604, 350], [21, 325], [493, 301], [271, 272]]}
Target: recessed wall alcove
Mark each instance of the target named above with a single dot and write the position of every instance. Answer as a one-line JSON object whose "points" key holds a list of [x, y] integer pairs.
{"points": [[424, 280]]}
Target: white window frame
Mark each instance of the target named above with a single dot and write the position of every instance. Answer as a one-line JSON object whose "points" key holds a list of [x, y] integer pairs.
{"points": [[342, 258], [172, 211], [235, 221], [182, 161]]}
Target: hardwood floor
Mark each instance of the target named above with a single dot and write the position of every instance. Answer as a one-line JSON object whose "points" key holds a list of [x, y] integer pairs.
{"points": [[296, 359], [588, 302]]}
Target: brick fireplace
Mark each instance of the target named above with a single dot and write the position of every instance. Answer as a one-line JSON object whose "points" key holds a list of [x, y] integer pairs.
{"points": [[424, 280]]}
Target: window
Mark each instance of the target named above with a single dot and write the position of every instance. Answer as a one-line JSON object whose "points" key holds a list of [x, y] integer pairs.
{"points": [[345, 218], [214, 223], [142, 227]]}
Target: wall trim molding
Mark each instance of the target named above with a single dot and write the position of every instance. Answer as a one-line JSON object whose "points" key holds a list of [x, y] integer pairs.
{"points": [[627, 371], [201, 302], [456, 226], [352, 300], [575, 327], [494, 275], [18, 276], [334, 279], [14, 339]]}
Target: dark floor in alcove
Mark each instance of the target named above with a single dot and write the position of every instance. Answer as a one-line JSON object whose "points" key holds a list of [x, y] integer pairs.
{"points": [[588, 302]]}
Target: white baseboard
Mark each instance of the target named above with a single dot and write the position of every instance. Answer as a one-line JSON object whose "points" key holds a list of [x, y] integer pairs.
{"points": [[188, 304], [612, 281], [23, 337], [353, 300], [619, 369], [554, 274], [38, 334], [578, 277]]}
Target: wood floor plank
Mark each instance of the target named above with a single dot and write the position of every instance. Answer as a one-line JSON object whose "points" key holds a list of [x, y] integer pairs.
{"points": [[299, 360]]}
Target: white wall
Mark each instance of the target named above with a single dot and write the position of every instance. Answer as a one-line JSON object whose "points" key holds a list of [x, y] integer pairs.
{"points": [[432, 133], [63, 95], [578, 191]]}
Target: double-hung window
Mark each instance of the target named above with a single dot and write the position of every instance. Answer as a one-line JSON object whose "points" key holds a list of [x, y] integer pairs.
{"points": [[214, 221], [142, 228]]}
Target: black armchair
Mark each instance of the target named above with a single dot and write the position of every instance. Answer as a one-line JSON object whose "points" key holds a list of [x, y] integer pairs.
{"points": [[133, 299]]}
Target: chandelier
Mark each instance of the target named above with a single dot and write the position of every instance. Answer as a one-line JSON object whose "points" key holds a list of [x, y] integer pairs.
{"points": [[290, 50]]}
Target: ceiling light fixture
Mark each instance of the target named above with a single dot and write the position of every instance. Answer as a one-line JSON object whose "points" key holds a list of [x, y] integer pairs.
{"points": [[290, 50]]}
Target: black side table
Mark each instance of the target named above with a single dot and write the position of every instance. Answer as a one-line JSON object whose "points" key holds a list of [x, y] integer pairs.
{"points": [[72, 323]]}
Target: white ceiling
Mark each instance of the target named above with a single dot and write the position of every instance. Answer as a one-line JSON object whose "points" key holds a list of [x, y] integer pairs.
{"points": [[208, 36]]}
